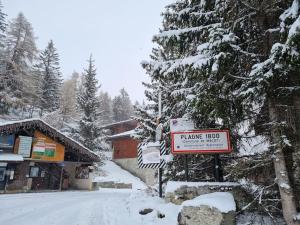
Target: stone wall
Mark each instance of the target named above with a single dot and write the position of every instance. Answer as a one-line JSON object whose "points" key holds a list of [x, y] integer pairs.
{"points": [[187, 192], [131, 165]]}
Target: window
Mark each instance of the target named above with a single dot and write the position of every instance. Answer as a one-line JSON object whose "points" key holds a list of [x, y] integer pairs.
{"points": [[34, 171]]}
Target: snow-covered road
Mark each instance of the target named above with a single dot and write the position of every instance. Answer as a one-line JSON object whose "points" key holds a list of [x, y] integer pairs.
{"points": [[102, 207], [105, 207]]}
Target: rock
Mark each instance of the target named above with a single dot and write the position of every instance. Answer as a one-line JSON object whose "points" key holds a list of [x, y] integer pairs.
{"points": [[106, 184], [185, 192], [204, 215], [145, 211], [216, 208], [111, 184], [160, 215], [123, 186]]}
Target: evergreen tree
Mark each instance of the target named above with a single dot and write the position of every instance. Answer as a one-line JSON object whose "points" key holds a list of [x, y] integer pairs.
{"points": [[89, 104], [3, 103], [3, 26], [68, 100], [122, 106], [105, 108], [20, 51], [202, 64], [194, 49], [146, 115], [51, 81], [273, 85]]}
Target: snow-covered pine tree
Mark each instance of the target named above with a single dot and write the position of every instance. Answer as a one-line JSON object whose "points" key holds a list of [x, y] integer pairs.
{"points": [[3, 25], [50, 78], [19, 52], [105, 108], [274, 85], [195, 52], [68, 99], [122, 106], [146, 115], [89, 104]]}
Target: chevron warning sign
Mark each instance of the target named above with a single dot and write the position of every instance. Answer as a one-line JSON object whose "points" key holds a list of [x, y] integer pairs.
{"points": [[149, 155]]}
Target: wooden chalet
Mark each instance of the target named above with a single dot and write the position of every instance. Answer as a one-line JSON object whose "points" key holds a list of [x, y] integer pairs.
{"points": [[123, 145], [125, 148], [36, 156]]}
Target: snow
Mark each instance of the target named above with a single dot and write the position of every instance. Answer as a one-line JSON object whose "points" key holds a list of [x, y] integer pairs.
{"points": [[105, 207], [297, 217], [251, 143], [223, 201], [284, 185], [294, 28], [124, 134], [4, 123], [291, 12], [181, 124], [112, 172], [10, 157], [117, 123], [174, 185]]}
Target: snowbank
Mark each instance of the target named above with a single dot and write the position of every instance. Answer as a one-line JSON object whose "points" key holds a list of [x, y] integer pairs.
{"points": [[223, 201], [174, 185], [112, 172]]}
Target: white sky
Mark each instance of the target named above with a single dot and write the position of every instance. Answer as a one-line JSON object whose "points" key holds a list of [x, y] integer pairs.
{"points": [[117, 33]]}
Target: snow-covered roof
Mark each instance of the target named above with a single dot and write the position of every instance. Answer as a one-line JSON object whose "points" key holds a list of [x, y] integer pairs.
{"points": [[10, 157], [124, 134], [74, 146], [118, 123]]}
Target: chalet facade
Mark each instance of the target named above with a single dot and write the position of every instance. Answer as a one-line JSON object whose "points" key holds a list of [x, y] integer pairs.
{"points": [[124, 148], [35, 156]]}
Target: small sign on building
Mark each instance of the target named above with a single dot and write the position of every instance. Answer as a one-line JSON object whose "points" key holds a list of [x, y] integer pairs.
{"points": [[25, 146], [201, 141]]}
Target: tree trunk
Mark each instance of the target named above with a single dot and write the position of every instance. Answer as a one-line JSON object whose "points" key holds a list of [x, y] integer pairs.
{"points": [[282, 179], [296, 154]]}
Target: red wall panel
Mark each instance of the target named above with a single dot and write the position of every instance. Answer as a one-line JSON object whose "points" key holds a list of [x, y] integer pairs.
{"points": [[125, 148]]}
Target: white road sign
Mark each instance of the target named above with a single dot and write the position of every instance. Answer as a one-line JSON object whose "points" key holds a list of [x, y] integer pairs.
{"points": [[151, 153], [181, 124], [201, 141]]}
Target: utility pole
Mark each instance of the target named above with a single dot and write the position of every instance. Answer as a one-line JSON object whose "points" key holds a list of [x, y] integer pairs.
{"points": [[160, 171]]}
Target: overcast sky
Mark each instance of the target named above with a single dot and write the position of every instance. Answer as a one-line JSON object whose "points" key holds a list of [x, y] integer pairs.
{"points": [[117, 33]]}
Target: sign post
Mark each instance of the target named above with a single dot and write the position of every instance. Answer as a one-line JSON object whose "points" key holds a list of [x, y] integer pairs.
{"points": [[201, 141], [218, 168], [186, 167], [158, 138], [204, 142]]}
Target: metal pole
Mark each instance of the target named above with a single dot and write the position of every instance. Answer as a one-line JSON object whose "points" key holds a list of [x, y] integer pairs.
{"points": [[160, 182], [61, 178], [186, 166], [160, 169], [6, 180], [217, 168]]}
